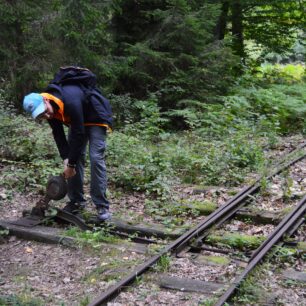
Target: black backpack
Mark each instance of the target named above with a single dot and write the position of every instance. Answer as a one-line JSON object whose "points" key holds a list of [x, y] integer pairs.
{"points": [[87, 81]]}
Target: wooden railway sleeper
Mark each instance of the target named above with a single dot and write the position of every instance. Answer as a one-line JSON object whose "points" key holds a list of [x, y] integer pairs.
{"points": [[287, 226], [184, 240]]}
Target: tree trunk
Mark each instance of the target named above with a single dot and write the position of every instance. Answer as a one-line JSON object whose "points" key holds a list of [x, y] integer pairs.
{"points": [[222, 21], [237, 28]]}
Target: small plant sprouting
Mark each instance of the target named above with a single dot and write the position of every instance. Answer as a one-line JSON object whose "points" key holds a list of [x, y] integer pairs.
{"points": [[92, 238], [287, 187], [85, 301], [264, 184], [4, 232], [138, 280], [163, 263]]}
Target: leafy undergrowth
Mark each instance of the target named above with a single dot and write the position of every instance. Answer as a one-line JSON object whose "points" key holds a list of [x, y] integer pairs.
{"points": [[224, 144], [24, 299], [267, 284], [93, 239], [226, 139]]}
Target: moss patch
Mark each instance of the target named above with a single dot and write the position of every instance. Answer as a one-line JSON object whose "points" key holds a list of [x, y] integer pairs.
{"points": [[24, 299], [301, 246], [199, 207], [234, 240], [213, 260], [204, 208]]}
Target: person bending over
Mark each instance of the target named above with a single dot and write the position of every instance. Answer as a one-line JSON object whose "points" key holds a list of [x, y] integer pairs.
{"points": [[86, 125]]}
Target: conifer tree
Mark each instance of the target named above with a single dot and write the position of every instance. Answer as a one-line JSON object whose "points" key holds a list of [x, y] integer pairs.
{"points": [[168, 48], [23, 51]]}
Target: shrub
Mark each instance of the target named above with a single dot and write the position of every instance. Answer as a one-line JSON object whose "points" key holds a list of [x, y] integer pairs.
{"points": [[26, 151], [282, 105], [281, 74], [22, 138]]}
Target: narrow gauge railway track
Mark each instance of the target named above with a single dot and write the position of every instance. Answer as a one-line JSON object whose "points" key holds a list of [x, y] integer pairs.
{"points": [[288, 226], [193, 239]]}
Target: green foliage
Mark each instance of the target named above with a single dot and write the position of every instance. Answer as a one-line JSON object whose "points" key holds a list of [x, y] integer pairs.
{"points": [[92, 238], [163, 263], [168, 212], [249, 292], [296, 54], [169, 53], [136, 48], [23, 49], [281, 74], [28, 155], [4, 232], [239, 241], [203, 207], [151, 123], [25, 140], [225, 141], [124, 109], [271, 100], [209, 302], [283, 106], [28, 176], [218, 260], [20, 300], [82, 27], [285, 254], [138, 163], [85, 301], [34, 42], [273, 24]]}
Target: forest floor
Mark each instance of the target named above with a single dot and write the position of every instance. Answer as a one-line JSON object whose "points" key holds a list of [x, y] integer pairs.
{"points": [[42, 274]]}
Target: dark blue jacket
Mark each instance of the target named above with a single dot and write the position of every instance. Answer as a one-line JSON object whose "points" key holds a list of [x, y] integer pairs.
{"points": [[80, 111]]}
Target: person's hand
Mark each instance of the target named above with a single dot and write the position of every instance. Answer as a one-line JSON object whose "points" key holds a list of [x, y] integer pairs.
{"points": [[65, 162], [69, 172]]}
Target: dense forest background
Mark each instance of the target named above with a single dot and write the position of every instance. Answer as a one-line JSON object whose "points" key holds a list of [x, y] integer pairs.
{"points": [[182, 52], [197, 87]]}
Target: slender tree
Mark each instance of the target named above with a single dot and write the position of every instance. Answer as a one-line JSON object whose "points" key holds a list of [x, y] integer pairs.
{"points": [[23, 50], [220, 29], [237, 28], [271, 24]]}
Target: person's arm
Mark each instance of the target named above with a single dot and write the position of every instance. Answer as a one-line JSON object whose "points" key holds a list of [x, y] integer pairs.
{"points": [[74, 109], [59, 137], [62, 145]]}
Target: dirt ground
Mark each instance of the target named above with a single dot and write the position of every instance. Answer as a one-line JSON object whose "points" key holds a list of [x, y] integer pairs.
{"points": [[56, 275]]}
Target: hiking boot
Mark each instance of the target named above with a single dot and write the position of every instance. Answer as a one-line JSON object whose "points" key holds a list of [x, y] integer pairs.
{"points": [[74, 208], [103, 214]]}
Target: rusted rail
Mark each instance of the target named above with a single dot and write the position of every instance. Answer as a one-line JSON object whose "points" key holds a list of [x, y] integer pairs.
{"points": [[287, 223], [220, 215]]}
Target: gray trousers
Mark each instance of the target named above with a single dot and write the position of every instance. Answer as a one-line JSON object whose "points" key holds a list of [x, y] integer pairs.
{"points": [[96, 137]]}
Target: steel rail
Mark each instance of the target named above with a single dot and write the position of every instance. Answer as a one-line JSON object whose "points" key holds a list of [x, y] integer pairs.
{"points": [[296, 226], [287, 223], [230, 208], [184, 239], [108, 294]]}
